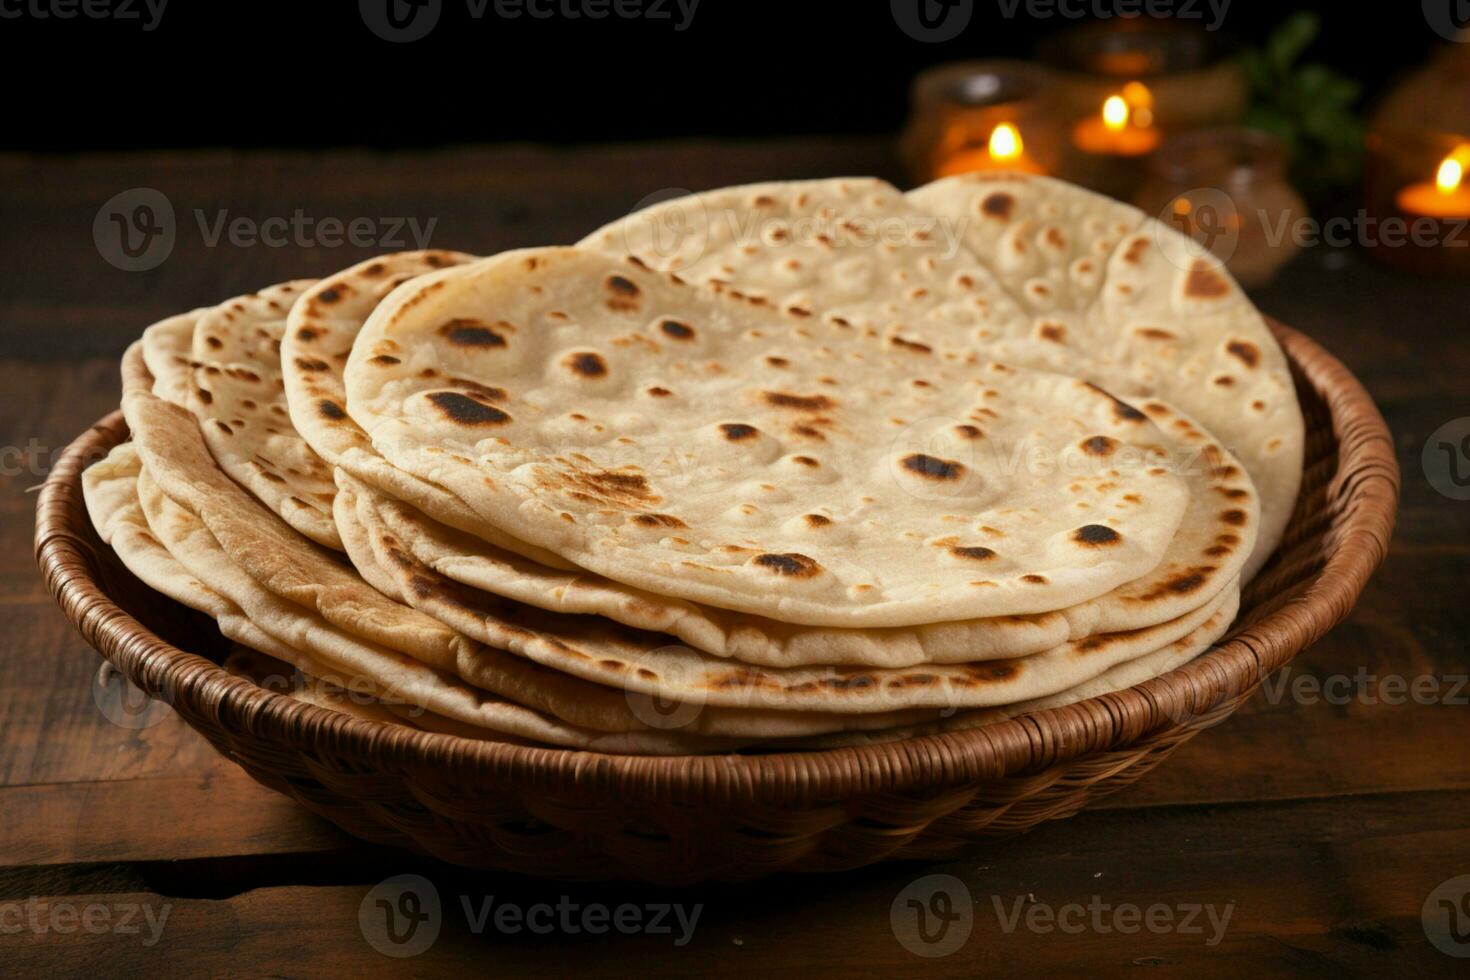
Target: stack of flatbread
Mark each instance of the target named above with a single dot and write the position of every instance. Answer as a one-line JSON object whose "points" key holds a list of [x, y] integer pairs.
{"points": [[786, 465]]}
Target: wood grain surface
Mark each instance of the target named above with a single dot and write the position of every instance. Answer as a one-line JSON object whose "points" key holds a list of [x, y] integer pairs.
{"points": [[1322, 814]]}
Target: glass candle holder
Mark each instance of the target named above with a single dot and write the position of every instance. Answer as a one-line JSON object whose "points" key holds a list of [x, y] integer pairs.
{"points": [[981, 115], [1192, 73], [1123, 86], [1227, 189]]}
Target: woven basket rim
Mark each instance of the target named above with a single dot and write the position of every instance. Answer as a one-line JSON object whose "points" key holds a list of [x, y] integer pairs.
{"points": [[1185, 698]]}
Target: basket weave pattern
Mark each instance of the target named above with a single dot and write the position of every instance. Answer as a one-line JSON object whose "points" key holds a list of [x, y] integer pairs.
{"points": [[560, 813]]}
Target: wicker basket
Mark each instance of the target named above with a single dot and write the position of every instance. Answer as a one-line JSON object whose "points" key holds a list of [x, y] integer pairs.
{"points": [[570, 814]]}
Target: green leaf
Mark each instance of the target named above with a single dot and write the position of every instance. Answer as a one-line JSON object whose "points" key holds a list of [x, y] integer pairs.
{"points": [[1314, 80], [1310, 107], [1288, 41], [1257, 72]]}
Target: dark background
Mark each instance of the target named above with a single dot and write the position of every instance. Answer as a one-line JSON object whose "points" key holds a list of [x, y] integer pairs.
{"points": [[309, 73]]}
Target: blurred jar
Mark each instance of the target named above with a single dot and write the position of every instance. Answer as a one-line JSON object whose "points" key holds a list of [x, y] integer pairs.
{"points": [[1227, 190], [1192, 73], [980, 115]]}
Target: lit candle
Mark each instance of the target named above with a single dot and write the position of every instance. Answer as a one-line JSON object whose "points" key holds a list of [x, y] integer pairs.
{"points": [[1004, 150], [1444, 197], [1123, 128]]}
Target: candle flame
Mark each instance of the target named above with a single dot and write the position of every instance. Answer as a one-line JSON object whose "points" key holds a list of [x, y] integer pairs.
{"points": [[1452, 170], [1005, 143], [1449, 176], [1115, 113]]}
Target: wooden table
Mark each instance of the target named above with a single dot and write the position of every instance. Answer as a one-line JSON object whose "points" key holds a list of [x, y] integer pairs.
{"points": [[1321, 823]]}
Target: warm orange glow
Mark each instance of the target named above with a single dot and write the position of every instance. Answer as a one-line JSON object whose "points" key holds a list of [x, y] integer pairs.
{"points": [[1124, 127], [1444, 197], [1140, 103], [1115, 113], [1137, 95], [1003, 149], [1451, 173], [1005, 143]]}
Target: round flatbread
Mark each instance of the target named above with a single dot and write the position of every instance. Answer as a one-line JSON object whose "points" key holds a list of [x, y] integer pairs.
{"points": [[1166, 319], [238, 398], [1206, 553], [1121, 677], [296, 592], [679, 674], [1059, 279], [166, 348], [699, 445]]}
